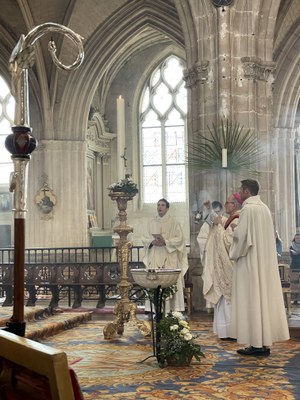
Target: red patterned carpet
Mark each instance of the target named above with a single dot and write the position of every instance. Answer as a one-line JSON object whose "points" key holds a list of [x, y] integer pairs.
{"points": [[113, 369]]}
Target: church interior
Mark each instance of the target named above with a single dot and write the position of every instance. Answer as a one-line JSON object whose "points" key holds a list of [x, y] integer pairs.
{"points": [[160, 94]]}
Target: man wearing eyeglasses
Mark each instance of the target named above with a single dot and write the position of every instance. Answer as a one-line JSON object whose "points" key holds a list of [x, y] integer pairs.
{"points": [[219, 268]]}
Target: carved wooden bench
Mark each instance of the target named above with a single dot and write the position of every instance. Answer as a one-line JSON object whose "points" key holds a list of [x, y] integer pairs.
{"points": [[30, 370], [72, 276]]}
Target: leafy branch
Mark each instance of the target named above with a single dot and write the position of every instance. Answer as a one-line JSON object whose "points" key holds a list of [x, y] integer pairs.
{"points": [[243, 149]]}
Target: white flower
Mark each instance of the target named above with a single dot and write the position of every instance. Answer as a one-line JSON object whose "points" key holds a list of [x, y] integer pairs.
{"points": [[184, 324], [188, 336], [174, 328], [177, 314], [126, 185], [184, 331]]}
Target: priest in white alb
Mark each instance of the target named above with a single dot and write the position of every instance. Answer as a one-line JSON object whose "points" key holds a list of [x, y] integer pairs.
{"points": [[165, 247], [258, 317]]}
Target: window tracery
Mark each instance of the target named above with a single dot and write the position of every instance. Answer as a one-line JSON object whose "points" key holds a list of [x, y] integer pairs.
{"points": [[163, 124]]}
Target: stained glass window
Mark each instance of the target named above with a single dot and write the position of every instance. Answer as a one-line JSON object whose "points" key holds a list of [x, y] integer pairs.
{"points": [[7, 109], [163, 123]]}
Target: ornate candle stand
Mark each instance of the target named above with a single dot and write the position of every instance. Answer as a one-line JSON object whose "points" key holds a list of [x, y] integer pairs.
{"points": [[124, 309]]}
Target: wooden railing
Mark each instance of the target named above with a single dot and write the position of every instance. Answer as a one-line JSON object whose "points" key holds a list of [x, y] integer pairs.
{"points": [[77, 273]]}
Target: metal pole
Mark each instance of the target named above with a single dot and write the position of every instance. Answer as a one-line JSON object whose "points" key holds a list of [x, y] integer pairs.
{"points": [[21, 144]]}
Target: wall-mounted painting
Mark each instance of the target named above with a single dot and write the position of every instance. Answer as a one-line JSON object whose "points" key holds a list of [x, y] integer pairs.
{"points": [[92, 220]]}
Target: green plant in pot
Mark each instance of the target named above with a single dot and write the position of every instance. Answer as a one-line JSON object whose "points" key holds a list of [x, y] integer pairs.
{"points": [[177, 343], [125, 185]]}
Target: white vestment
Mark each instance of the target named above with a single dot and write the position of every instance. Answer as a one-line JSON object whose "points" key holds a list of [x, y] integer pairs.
{"points": [[218, 277], [202, 239], [172, 255], [258, 315]]}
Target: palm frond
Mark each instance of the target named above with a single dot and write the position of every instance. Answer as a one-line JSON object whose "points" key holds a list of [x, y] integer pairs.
{"points": [[243, 149]]}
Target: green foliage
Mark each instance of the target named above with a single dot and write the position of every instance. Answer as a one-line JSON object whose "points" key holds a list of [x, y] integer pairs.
{"points": [[169, 291], [243, 149], [176, 339], [125, 185]]}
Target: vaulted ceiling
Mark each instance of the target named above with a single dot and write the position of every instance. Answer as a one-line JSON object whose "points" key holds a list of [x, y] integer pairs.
{"points": [[119, 29]]}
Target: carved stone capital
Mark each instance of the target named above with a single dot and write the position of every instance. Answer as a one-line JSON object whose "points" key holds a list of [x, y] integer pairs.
{"points": [[197, 74], [256, 69]]}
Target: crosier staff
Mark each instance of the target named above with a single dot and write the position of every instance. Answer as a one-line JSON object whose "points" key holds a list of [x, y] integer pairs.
{"points": [[21, 144]]}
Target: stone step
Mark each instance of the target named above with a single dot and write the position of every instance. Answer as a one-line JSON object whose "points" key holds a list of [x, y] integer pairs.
{"points": [[30, 313], [45, 322]]}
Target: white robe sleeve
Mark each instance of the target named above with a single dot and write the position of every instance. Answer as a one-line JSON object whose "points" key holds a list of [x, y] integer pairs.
{"points": [[242, 238], [202, 239]]}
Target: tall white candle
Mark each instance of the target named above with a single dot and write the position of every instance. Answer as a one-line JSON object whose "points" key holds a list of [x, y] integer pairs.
{"points": [[121, 137], [224, 158]]}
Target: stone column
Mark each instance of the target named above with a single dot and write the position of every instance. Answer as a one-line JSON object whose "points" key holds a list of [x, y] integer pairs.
{"points": [[224, 63], [195, 79], [62, 164], [284, 160]]}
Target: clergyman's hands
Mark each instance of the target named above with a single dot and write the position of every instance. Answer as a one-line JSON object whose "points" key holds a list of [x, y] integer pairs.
{"points": [[233, 226], [158, 242], [218, 220]]}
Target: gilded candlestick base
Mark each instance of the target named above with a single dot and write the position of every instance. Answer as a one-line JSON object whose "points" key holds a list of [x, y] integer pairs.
{"points": [[125, 310]]}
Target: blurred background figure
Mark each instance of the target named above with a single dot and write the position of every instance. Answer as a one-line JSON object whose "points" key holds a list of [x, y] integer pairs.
{"points": [[295, 253], [278, 244], [295, 268]]}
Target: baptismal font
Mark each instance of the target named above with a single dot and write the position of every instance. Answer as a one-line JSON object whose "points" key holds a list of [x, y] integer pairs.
{"points": [[125, 310]]}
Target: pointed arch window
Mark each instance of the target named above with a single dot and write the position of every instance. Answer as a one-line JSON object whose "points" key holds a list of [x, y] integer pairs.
{"points": [[7, 111], [163, 128]]}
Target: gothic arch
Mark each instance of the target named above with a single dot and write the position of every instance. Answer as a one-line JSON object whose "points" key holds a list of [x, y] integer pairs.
{"points": [[4, 57], [131, 28], [9, 42], [287, 83], [286, 96], [189, 31]]}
